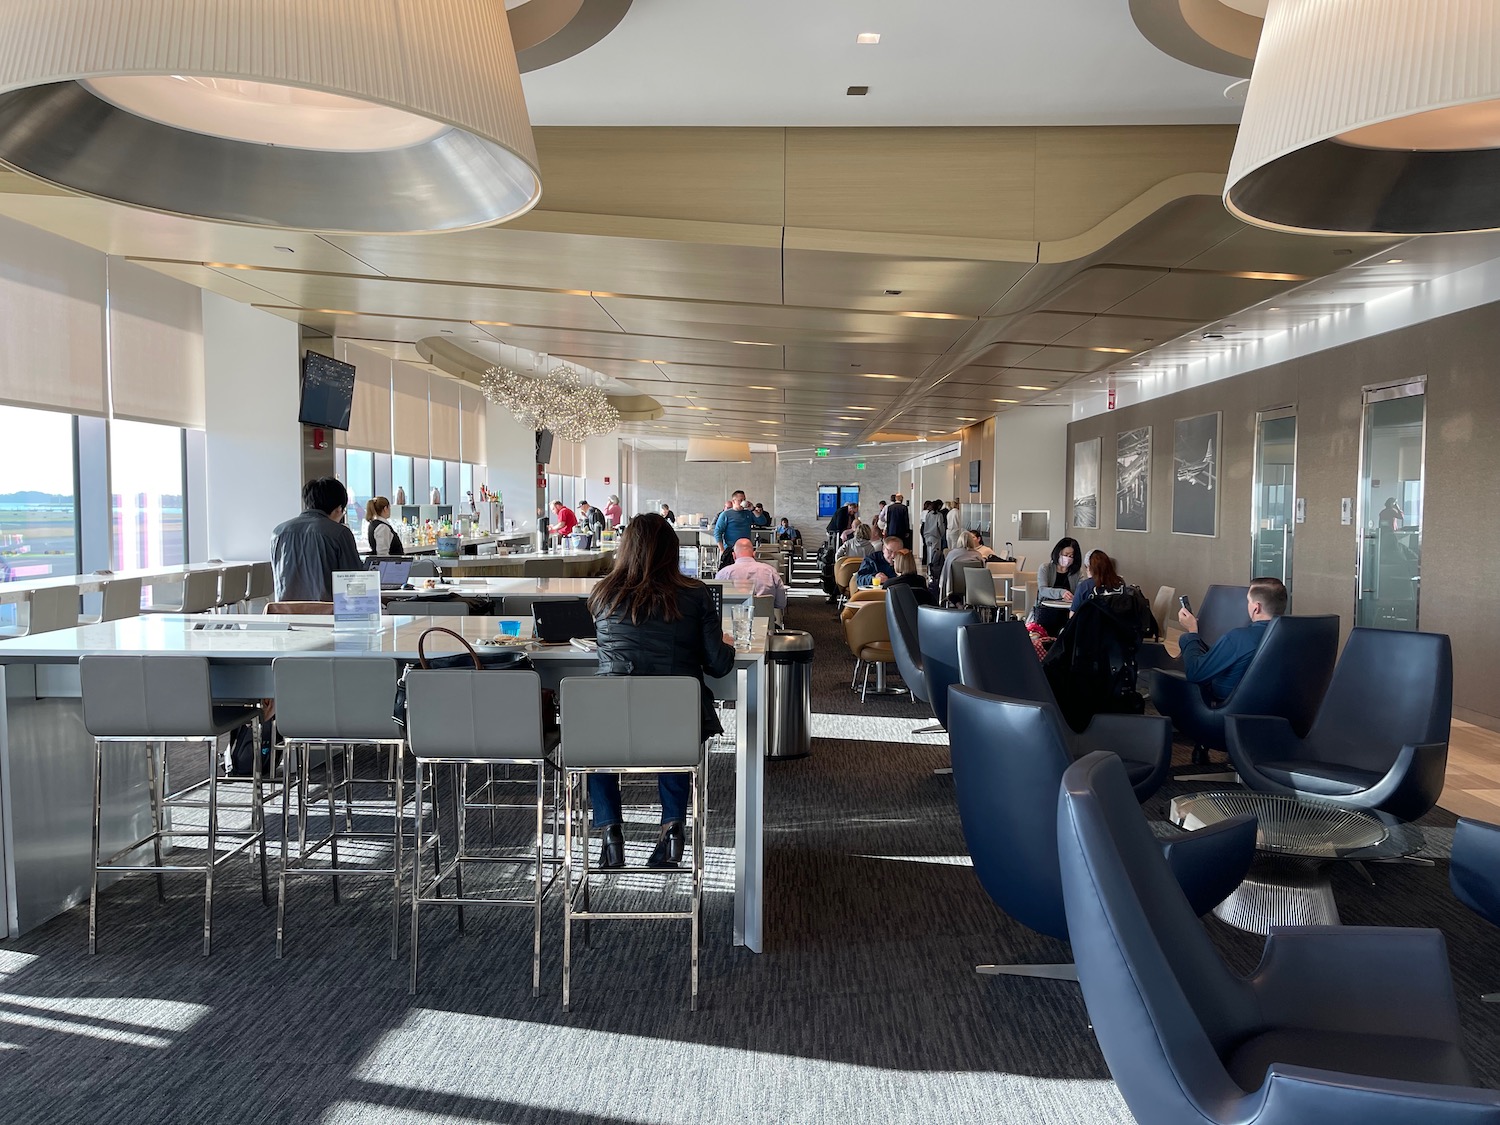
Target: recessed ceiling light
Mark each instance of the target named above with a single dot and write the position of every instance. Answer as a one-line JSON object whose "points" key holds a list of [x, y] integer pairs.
{"points": [[1011, 401], [1112, 351], [1137, 364], [844, 418], [837, 433], [695, 408], [872, 375], [1388, 261], [762, 388], [1020, 388], [968, 419], [861, 408], [867, 38], [756, 343], [857, 91], [1274, 309], [768, 421]]}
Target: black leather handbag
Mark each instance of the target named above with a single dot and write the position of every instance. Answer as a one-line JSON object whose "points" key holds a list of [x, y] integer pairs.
{"points": [[489, 660]]}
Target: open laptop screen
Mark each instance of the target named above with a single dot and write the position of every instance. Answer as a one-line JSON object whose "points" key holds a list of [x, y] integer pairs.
{"points": [[394, 573], [687, 561]]}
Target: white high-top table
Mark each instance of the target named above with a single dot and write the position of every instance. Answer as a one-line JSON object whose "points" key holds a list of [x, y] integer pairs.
{"points": [[46, 756]]}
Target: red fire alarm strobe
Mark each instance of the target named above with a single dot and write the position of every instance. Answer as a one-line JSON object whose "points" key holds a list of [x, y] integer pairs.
{"points": [[606, 480], [318, 440]]}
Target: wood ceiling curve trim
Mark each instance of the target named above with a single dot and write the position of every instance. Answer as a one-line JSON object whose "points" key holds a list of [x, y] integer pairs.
{"points": [[1137, 211]]}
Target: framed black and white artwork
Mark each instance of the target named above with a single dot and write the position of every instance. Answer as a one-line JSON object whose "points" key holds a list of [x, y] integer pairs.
{"points": [[1195, 475], [1086, 483], [1133, 480]]}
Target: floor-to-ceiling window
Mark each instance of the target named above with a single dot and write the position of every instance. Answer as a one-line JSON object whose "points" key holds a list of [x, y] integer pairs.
{"points": [[146, 486], [38, 504]]}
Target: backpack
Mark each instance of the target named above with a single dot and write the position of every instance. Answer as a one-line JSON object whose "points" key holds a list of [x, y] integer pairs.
{"points": [[1092, 664]]}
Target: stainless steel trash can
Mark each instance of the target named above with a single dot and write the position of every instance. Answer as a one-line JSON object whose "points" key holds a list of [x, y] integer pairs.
{"points": [[789, 657]]}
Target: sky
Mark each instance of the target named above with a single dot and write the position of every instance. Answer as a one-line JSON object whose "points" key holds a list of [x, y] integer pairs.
{"points": [[38, 456]]}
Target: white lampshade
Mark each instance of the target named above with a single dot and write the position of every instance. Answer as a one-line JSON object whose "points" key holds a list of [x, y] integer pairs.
{"points": [[386, 116], [718, 449], [1372, 117]]}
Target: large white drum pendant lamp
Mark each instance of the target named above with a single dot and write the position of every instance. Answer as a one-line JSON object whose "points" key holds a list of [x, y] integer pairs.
{"points": [[1372, 117], [379, 116]]}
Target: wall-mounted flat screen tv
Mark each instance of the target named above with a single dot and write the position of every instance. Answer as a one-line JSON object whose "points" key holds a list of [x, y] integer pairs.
{"points": [[973, 476], [543, 447], [327, 392]]}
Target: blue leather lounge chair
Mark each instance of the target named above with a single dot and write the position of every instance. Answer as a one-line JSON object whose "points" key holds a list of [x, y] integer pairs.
{"points": [[1339, 1025], [901, 624], [1380, 740], [998, 659], [1008, 760], [937, 633], [1474, 873], [1287, 676]]}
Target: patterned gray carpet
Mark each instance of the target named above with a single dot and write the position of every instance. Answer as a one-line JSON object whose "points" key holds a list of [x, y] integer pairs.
{"points": [[864, 1007]]}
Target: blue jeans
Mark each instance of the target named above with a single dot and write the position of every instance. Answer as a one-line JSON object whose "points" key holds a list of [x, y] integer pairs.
{"points": [[675, 789]]}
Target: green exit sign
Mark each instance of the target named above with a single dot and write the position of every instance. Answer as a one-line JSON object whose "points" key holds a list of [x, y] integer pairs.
{"points": [[822, 452], [859, 464]]}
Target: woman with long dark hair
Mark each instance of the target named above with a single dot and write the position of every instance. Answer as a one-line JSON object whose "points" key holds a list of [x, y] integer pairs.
{"points": [[654, 621], [1103, 578]]}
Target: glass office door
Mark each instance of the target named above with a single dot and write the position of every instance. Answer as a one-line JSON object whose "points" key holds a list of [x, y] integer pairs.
{"points": [[1273, 505], [1392, 453]]}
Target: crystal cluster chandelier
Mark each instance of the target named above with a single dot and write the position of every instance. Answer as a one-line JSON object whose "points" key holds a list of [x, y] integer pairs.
{"points": [[558, 400]]}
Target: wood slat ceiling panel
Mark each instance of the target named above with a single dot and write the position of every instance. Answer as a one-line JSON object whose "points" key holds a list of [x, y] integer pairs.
{"points": [[1005, 354], [1069, 359], [429, 299], [1043, 327], [1176, 234], [621, 345], [1134, 333], [730, 322], [1268, 251], [383, 327], [855, 360], [1200, 297], [131, 232], [1101, 288], [860, 281], [648, 267]]}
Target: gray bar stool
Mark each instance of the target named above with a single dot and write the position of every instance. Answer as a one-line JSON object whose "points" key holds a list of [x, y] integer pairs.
{"points": [[234, 586], [47, 610], [629, 725], [336, 703], [121, 601], [200, 593], [153, 700], [462, 717], [262, 584]]}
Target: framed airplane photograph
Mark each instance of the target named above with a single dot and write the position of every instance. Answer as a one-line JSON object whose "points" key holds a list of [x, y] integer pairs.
{"points": [[1195, 475], [1133, 480]]}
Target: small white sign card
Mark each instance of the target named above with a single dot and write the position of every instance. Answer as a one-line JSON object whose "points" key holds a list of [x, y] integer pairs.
{"points": [[356, 601]]}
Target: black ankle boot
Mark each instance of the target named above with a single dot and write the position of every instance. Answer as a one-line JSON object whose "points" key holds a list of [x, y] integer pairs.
{"points": [[668, 850], [612, 847]]}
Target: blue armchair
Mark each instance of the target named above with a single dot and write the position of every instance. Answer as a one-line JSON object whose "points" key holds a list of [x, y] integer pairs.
{"points": [[1474, 873], [1337, 1025], [1008, 760], [998, 659], [1380, 739], [937, 634], [1287, 676], [901, 624]]}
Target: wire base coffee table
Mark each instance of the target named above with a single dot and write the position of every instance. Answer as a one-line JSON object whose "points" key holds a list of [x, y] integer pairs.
{"points": [[1296, 842]]}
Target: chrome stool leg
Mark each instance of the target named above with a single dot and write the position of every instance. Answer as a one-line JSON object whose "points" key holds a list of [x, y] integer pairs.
{"points": [[156, 817], [213, 843], [94, 883]]}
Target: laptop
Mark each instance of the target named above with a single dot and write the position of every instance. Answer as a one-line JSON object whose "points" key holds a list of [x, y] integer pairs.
{"points": [[556, 621], [688, 559], [394, 573]]}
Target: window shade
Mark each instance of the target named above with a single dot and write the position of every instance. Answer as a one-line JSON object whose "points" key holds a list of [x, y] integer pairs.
{"points": [[52, 313], [444, 423], [409, 409], [370, 419], [473, 423], [156, 347]]}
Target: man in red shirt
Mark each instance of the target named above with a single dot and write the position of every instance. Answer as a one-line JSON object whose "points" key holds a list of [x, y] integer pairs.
{"points": [[563, 519]]}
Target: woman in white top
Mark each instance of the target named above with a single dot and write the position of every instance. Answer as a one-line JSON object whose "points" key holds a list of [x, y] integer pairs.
{"points": [[380, 536], [965, 551], [955, 526]]}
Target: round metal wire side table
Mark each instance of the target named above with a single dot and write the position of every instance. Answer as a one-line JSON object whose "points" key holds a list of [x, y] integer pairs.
{"points": [[1296, 840]]}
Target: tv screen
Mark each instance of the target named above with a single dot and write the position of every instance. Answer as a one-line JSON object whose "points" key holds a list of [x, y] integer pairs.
{"points": [[327, 392], [543, 446], [973, 476]]}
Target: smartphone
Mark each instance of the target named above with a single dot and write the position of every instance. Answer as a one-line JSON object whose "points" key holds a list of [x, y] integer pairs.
{"points": [[1183, 602]]}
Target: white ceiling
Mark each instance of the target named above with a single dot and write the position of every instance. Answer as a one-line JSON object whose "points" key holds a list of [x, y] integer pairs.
{"points": [[939, 62]]}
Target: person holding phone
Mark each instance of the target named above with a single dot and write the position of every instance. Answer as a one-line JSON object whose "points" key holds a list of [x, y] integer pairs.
{"points": [[1218, 670]]}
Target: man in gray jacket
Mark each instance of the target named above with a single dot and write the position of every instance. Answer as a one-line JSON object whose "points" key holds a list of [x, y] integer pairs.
{"points": [[307, 549]]}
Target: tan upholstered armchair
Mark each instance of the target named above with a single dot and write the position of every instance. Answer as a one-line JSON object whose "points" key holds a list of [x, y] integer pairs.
{"points": [[869, 640], [858, 598]]}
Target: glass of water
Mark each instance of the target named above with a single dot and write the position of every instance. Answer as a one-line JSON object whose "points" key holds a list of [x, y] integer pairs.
{"points": [[742, 620]]}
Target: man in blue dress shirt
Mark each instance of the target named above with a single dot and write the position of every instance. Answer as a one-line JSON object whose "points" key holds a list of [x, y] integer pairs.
{"points": [[1218, 670]]}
